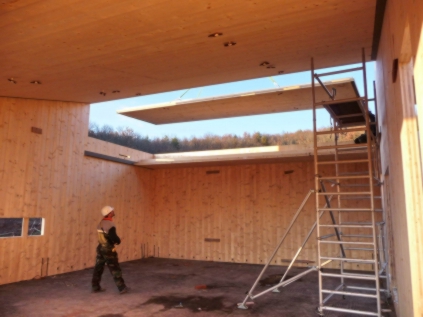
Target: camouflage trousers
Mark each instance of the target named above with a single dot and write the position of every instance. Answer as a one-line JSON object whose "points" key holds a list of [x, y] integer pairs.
{"points": [[109, 257]]}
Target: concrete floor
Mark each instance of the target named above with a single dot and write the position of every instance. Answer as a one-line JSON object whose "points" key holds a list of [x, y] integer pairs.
{"points": [[159, 285]]}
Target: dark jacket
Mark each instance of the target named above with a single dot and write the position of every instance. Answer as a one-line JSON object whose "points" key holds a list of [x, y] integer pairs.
{"points": [[106, 231]]}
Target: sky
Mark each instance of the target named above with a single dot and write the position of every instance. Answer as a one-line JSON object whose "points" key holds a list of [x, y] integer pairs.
{"points": [[104, 113]]}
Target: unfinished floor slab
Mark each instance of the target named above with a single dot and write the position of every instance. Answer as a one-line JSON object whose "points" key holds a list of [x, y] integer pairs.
{"points": [[167, 287]]}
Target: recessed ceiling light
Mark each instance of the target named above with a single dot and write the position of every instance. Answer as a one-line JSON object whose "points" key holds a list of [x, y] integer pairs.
{"points": [[264, 63], [12, 80], [102, 93], [281, 72], [138, 94], [271, 66], [217, 34], [229, 44], [116, 91], [36, 82]]}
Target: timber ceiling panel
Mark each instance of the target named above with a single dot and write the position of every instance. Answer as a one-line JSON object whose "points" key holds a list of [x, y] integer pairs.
{"points": [[77, 49], [285, 99], [268, 154]]}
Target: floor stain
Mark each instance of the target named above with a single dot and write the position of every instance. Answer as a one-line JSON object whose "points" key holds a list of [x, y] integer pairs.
{"points": [[275, 279], [195, 304]]}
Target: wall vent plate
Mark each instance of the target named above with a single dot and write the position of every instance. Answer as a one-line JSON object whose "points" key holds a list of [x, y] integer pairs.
{"points": [[36, 130]]}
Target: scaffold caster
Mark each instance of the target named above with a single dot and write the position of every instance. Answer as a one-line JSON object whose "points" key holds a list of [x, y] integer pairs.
{"points": [[319, 312], [242, 306]]}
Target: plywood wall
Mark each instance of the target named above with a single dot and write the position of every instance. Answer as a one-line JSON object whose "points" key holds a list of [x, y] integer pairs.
{"points": [[115, 151], [47, 175], [402, 39], [246, 207]]}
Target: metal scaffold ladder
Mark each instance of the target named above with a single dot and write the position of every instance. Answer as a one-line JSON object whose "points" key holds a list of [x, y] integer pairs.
{"points": [[359, 242]]}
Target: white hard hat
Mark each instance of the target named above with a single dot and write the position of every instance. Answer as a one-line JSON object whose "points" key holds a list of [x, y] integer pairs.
{"points": [[106, 210]]}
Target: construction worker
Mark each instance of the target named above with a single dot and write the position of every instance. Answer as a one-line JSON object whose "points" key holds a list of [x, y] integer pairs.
{"points": [[106, 252]]}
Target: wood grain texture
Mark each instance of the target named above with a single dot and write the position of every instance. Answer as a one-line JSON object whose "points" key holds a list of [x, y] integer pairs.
{"points": [[48, 176], [401, 160], [248, 207], [78, 49], [115, 150], [284, 99]]}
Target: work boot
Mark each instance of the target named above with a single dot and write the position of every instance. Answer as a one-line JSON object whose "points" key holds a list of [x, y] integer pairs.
{"points": [[98, 290], [124, 290]]}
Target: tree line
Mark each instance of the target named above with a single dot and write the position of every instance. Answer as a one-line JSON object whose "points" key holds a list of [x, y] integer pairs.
{"points": [[168, 144]]}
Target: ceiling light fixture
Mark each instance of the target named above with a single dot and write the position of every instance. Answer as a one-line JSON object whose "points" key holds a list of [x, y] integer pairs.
{"points": [[229, 44], [116, 91], [36, 82], [12, 80], [270, 66], [138, 94], [102, 93], [217, 34], [264, 63], [281, 72]]}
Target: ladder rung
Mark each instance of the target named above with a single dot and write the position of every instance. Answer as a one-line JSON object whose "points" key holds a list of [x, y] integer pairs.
{"points": [[345, 242], [347, 226], [347, 151], [341, 131], [346, 209], [363, 223], [350, 311], [342, 146], [365, 236], [348, 260], [348, 293], [343, 193], [366, 288], [343, 161], [350, 209], [351, 276], [356, 198], [356, 223], [344, 177], [355, 173], [340, 71], [326, 236], [331, 102], [359, 249]]}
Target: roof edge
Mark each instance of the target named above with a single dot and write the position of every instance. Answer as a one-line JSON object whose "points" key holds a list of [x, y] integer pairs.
{"points": [[377, 31]]}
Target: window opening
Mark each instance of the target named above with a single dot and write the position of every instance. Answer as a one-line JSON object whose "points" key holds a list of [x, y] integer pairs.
{"points": [[36, 227], [11, 227]]}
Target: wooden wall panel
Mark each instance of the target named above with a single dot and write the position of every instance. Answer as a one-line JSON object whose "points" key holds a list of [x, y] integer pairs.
{"points": [[47, 175], [401, 39], [114, 150], [247, 207]]}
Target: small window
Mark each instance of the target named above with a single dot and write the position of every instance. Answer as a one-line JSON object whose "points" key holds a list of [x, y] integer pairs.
{"points": [[11, 227], [36, 227]]}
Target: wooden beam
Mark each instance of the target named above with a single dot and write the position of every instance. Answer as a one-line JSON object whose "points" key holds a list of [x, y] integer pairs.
{"points": [[285, 99]]}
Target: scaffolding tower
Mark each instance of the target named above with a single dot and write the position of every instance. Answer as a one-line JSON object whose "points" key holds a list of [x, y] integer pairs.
{"points": [[360, 243]]}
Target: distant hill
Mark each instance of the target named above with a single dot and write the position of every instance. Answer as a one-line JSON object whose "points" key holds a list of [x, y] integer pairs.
{"points": [[127, 137]]}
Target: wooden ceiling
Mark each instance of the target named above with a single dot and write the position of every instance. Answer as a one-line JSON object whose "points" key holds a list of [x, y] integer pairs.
{"points": [[77, 49], [267, 154], [293, 98]]}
